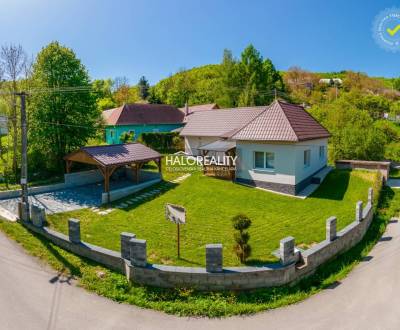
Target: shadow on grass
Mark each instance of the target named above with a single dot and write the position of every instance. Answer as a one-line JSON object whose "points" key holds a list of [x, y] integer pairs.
{"points": [[334, 186], [74, 270], [163, 186]]}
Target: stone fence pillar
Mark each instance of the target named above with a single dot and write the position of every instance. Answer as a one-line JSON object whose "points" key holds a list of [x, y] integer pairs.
{"points": [[125, 247], [359, 211], [138, 252], [331, 229], [38, 216], [214, 257], [287, 251], [371, 196], [74, 230]]}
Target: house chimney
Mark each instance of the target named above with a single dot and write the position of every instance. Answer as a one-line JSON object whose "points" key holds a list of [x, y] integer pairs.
{"points": [[186, 109]]}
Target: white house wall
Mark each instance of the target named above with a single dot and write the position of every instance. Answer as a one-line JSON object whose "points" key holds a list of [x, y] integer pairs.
{"points": [[316, 163], [289, 175], [285, 160]]}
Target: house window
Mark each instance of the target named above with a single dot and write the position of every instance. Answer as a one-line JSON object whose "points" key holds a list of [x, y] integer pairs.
{"points": [[307, 158], [155, 130], [259, 159], [321, 152], [264, 160], [112, 133]]}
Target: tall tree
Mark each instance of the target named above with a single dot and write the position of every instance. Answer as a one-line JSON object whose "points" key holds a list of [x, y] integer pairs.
{"points": [[60, 121], [14, 63], [251, 80], [103, 91], [143, 88], [230, 80]]}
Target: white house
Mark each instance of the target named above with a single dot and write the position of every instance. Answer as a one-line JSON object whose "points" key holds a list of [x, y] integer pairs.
{"points": [[280, 147]]}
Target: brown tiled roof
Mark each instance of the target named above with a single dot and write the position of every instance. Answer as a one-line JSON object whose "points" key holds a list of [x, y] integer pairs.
{"points": [[282, 121], [200, 107], [117, 154], [220, 122], [139, 113], [279, 121]]}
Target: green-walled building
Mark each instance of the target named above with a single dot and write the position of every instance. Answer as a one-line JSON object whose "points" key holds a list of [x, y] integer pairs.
{"points": [[138, 118]]}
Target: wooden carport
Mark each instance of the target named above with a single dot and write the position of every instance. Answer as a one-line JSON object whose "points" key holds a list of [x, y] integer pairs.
{"points": [[108, 158]]}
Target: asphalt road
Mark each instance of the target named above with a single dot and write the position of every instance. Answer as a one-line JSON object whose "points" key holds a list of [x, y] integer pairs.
{"points": [[33, 297]]}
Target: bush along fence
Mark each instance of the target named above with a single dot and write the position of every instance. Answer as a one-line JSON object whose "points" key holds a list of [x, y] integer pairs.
{"points": [[132, 259], [162, 141]]}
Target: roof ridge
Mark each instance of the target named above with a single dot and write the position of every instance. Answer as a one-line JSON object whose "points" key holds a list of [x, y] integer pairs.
{"points": [[286, 117], [263, 112], [304, 110]]}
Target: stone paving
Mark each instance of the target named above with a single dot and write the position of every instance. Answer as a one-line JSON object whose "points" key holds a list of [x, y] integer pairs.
{"points": [[181, 178], [64, 200]]}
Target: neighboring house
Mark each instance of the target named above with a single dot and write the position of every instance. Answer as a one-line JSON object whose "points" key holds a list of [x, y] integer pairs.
{"points": [[331, 81], [279, 147], [138, 118], [188, 110]]}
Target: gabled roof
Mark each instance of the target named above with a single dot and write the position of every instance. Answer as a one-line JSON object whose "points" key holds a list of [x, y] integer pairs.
{"points": [[113, 154], [219, 123], [200, 107], [141, 113], [279, 121], [282, 121]]}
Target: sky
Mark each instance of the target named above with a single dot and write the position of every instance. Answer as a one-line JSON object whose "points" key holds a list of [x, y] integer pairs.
{"points": [[156, 38]]}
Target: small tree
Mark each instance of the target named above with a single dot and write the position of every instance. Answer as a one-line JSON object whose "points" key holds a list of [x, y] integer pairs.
{"points": [[242, 249], [126, 137], [143, 88]]}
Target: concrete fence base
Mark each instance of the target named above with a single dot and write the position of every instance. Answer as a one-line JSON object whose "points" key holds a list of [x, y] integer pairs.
{"points": [[132, 260]]}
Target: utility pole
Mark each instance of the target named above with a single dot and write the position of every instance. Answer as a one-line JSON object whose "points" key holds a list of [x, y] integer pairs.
{"points": [[24, 157]]}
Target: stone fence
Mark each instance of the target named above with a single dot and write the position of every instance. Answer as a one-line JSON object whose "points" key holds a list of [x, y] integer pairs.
{"points": [[132, 259]]}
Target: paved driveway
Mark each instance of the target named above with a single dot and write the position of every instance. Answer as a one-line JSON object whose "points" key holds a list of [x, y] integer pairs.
{"points": [[32, 297]]}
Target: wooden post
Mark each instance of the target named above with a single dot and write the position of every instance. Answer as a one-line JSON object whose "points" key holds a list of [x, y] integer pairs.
{"points": [[159, 165], [68, 165], [137, 173]]}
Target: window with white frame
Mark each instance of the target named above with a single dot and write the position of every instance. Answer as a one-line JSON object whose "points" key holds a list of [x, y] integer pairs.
{"points": [[264, 160], [322, 152], [307, 158]]}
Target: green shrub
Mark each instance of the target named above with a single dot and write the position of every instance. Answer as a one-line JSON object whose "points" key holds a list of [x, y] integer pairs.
{"points": [[392, 151], [162, 141], [242, 249], [126, 137]]}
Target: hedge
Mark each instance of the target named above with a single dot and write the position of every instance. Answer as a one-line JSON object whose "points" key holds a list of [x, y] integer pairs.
{"points": [[162, 141]]}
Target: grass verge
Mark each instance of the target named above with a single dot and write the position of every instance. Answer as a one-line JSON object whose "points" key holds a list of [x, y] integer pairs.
{"points": [[186, 302]]}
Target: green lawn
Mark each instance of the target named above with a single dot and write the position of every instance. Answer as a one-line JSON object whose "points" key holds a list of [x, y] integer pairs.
{"points": [[211, 203], [213, 304]]}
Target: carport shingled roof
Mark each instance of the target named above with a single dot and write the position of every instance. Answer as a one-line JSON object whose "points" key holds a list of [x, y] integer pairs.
{"points": [[117, 154]]}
